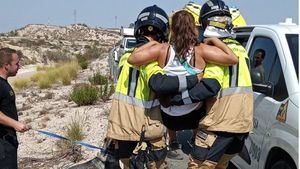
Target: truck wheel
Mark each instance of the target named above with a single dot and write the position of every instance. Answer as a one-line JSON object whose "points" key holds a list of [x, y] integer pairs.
{"points": [[282, 164]]}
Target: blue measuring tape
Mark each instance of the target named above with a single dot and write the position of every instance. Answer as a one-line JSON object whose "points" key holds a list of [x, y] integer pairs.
{"points": [[64, 138]]}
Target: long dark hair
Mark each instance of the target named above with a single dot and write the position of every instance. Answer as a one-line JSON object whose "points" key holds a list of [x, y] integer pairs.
{"points": [[184, 32]]}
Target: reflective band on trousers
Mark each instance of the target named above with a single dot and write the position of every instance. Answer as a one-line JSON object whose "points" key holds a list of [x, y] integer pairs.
{"points": [[136, 102], [234, 90]]}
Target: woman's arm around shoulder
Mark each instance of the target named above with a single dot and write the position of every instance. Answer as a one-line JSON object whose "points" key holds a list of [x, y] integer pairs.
{"points": [[215, 51], [146, 54]]}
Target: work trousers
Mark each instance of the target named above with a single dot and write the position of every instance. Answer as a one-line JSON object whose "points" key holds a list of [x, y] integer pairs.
{"points": [[213, 150], [124, 150]]}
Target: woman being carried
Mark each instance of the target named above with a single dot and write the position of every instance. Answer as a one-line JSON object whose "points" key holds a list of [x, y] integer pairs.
{"points": [[184, 55]]}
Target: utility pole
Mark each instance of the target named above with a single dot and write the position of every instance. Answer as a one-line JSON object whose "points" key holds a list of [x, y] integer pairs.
{"points": [[75, 16], [116, 18], [48, 20]]}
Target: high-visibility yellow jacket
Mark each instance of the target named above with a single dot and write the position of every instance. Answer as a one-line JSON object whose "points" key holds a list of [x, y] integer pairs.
{"points": [[232, 109], [132, 106]]}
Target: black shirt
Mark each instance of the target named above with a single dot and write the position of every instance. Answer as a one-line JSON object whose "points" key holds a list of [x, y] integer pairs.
{"points": [[7, 104]]}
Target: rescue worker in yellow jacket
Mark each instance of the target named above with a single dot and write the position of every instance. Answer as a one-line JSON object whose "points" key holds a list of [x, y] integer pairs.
{"points": [[229, 117], [135, 114]]}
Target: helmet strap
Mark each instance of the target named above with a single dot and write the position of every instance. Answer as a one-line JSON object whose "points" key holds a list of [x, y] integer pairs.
{"points": [[212, 31], [141, 40]]}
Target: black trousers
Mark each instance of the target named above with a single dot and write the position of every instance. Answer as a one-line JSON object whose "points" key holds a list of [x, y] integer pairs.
{"points": [[8, 155]]}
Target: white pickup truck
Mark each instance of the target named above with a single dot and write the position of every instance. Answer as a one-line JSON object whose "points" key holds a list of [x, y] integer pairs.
{"points": [[273, 143], [127, 42]]}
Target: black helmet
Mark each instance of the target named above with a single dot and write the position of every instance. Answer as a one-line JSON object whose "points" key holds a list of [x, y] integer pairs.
{"points": [[213, 8], [152, 19]]}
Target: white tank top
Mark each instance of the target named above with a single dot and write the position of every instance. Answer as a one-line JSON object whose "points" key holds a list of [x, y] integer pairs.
{"points": [[175, 68]]}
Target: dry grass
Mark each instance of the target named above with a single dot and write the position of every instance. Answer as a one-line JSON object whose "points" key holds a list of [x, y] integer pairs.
{"points": [[75, 128], [46, 76], [61, 72], [44, 82], [21, 84], [65, 78], [74, 132], [36, 77]]}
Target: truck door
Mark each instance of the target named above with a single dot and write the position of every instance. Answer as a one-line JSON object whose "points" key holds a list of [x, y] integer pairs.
{"points": [[269, 93]]}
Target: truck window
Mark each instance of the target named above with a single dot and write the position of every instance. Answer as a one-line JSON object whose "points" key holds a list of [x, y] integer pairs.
{"points": [[264, 60], [293, 41], [131, 43], [243, 39]]}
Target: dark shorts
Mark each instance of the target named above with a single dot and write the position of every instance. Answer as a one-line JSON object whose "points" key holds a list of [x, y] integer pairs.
{"points": [[225, 143], [185, 122], [8, 155]]}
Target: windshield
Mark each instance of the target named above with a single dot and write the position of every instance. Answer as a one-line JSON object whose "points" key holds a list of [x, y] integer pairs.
{"points": [[292, 40], [131, 43]]}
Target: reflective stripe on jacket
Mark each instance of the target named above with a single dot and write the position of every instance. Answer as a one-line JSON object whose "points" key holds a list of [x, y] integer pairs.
{"points": [[232, 109]]}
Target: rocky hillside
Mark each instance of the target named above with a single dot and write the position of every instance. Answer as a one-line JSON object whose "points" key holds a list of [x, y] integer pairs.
{"points": [[40, 42], [51, 109]]}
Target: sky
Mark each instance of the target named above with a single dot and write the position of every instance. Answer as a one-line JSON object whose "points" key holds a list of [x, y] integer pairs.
{"points": [[15, 14]]}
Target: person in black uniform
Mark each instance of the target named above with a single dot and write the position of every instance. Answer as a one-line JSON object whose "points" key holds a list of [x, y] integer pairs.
{"points": [[9, 124]]}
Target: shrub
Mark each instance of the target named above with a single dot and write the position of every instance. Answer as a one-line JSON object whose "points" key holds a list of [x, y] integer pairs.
{"points": [[13, 33], [92, 52], [82, 61], [83, 64], [83, 24], [98, 79], [84, 94]]}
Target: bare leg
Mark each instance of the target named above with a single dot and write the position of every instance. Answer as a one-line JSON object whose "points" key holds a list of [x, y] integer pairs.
{"points": [[172, 136]]}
